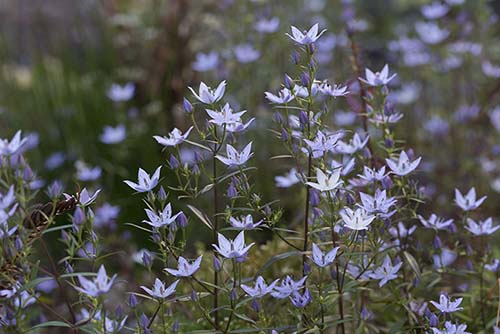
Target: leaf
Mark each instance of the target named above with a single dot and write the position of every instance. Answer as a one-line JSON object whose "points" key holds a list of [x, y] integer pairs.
{"points": [[413, 264], [198, 144], [139, 227], [204, 219], [50, 324], [283, 156], [277, 258], [57, 228]]}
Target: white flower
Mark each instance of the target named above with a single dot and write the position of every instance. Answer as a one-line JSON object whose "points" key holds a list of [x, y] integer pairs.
{"points": [[403, 166], [207, 95], [356, 220], [381, 78], [306, 37], [326, 183], [468, 202]]}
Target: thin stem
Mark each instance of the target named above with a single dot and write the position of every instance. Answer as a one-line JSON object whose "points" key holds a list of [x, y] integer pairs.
{"points": [[215, 231]]}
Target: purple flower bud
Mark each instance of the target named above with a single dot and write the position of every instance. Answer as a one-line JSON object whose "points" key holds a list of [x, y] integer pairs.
{"points": [[194, 296], [175, 326], [171, 236], [317, 212], [267, 210], [416, 282], [132, 301], [433, 320], [365, 313], [195, 169], [284, 135], [278, 118], [305, 79], [68, 267], [119, 311], [469, 265], [468, 250], [162, 194], [307, 268], [311, 48], [303, 117], [216, 263], [349, 199], [156, 237], [182, 220], [389, 143], [146, 259], [233, 295], [198, 157], [385, 90], [231, 191], [386, 182], [255, 305], [55, 189], [174, 163], [288, 82], [187, 106], [295, 57], [315, 200], [28, 173], [437, 243], [144, 321], [453, 228], [18, 243], [78, 216], [410, 153]]}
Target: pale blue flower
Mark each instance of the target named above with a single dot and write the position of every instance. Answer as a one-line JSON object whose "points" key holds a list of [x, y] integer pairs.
{"points": [[287, 180], [481, 227], [267, 26], [225, 116], [431, 33], [300, 300], [451, 328], [381, 78], [105, 214], [98, 286], [354, 145], [284, 96], [444, 259], [306, 37], [86, 173], [239, 126], [403, 166], [435, 222], [14, 146], [387, 272], [113, 135], [206, 61], [493, 267], [120, 93], [85, 197], [55, 160], [175, 137], [159, 290], [207, 95], [287, 287], [371, 175], [401, 231], [260, 289], [114, 326], [357, 219], [244, 223], [233, 249], [161, 218], [333, 90], [446, 305], [145, 181], [469, 201], [434, 10], [323, 143], [7, 199], [321, 259], [378, 204], [185, 269], [326, 182], [235, 158], [246, 53]]}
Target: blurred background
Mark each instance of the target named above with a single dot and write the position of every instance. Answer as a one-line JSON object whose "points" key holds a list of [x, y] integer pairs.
{"points": [[93, 81]]}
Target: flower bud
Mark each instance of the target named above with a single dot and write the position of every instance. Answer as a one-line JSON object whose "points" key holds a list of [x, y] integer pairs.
{"points": [[78, 216], [194, 296], [174, 163], [315, 200], [389, 143], [68, 267], [284, 135], [277, 117], [386, 182], [231, 191], [146, 259], [288, 82], [55, 189], [175, 326], [196, 169], [162, 194], [182, 220], [156, 236], [433, 320], [144, 321], [119, 311], [233, 295], [28, 173], [295, 57], [132, 301], [18, 243], [216, 263], [437, 243], [303, 119], [307, 268], [255, 305], [305, 79], [469, 265], [187, 106]]}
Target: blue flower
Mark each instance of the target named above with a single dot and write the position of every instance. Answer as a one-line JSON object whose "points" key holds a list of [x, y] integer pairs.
{"points": [[482, 227], [244, 223], [287, 287], [98, 286], [207, 95], [446, 305], [113, 135], [159, 290], [233, 249], [86, 173], [386, 272], [235, 158], [246, 53], [493, 267], [267, 26], [321, 259], [379, 204], [468, 202], [14, 146], [284, 96], [288, 180], [306, 37], [175, 137], [120, 93], [333, 90], [451, 328], [357, 219], [114, 326], [435, 222], [206, 61], [403, 166], [326, 183], [85, 197], [145, 182], [161, 218], [371, 175], [300, 301], [261, 288], [354, 145], [381, 78], [225, 116], [323, 143], [185, 269]]}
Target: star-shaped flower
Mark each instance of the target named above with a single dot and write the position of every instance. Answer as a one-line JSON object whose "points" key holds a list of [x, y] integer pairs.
{"points": [[185, 269], [322, 259], [15, 145], [446, 305], [386, 272], [225, 116], [451, 328], [207, 95], [381, 78], [287, 287], [260, 289], [306, 37], [435, 222], [98, 286], [358, 219], [233, 249], [482, 227], [235, 158], [300, 300], [379, 204], [403, 166], [244, 223], [159, 290], [468, 202], [326, 183], [284, 96], [145, 182], [175, 137], [161, 218]]}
